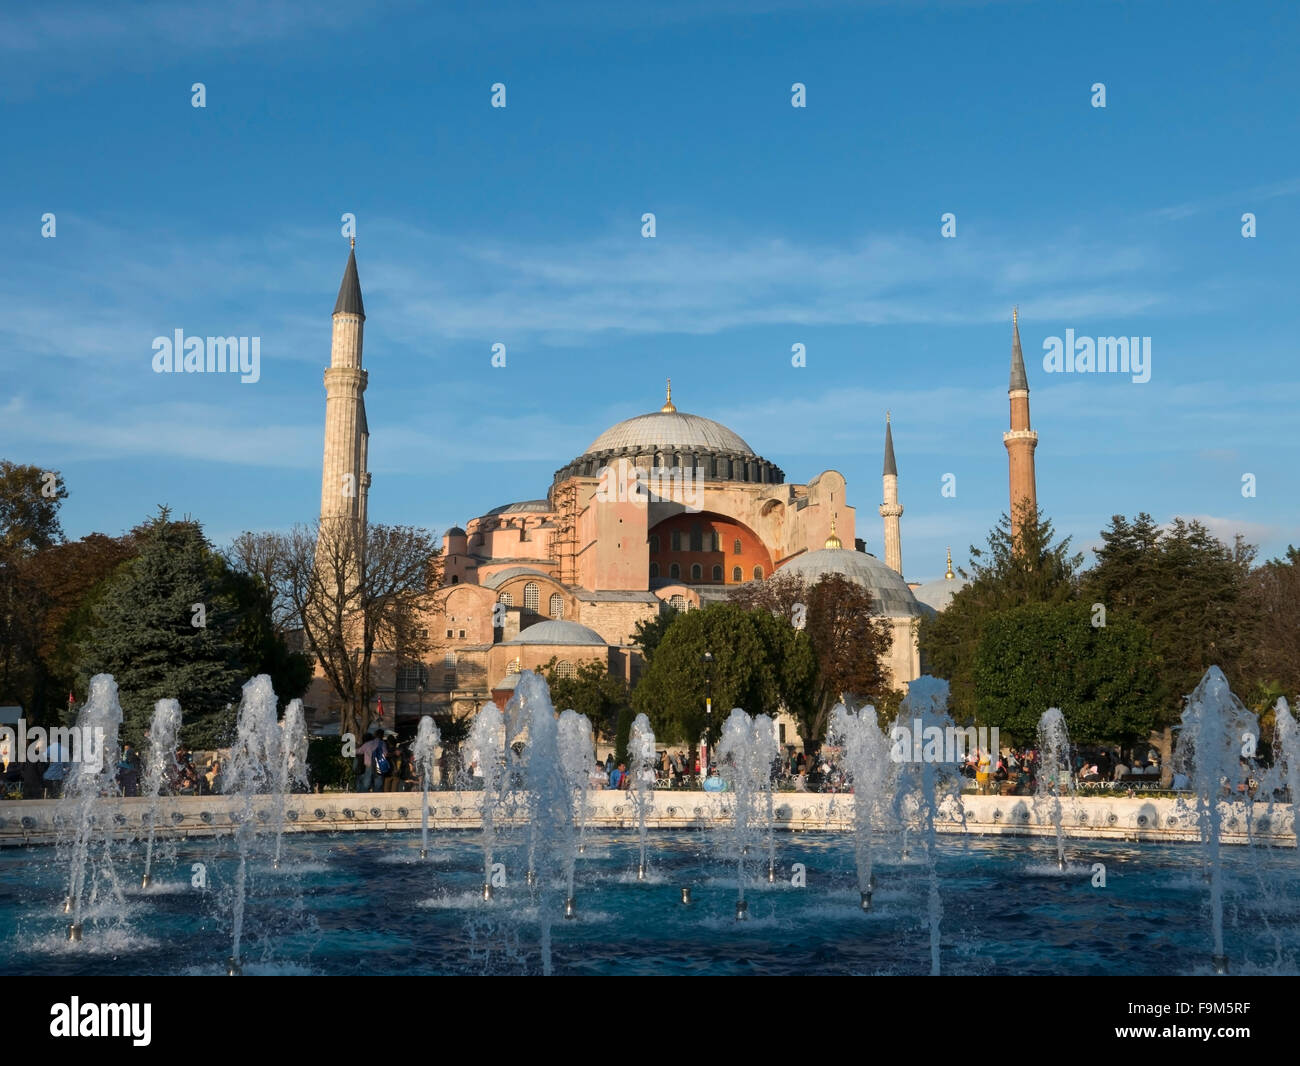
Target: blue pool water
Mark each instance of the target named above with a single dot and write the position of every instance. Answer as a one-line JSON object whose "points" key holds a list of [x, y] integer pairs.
{"points": [[363, 903]]}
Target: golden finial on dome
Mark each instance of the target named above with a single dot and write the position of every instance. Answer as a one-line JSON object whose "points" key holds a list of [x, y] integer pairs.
{"points": [[668, 407], [1015, 315], [354, 243], [833, 541], [949, 575]]}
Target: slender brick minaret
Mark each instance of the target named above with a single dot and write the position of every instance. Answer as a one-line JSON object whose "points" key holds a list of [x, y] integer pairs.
{"points": [[1020, 439], [891, 510], [345, 482]]}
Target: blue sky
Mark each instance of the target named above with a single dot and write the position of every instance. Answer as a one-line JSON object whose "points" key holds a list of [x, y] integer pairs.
{"points": [[775, 226]]}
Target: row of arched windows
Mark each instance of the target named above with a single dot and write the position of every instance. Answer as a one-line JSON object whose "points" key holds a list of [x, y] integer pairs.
{"points": [[697, 572], [532, 600], [697, 540]]}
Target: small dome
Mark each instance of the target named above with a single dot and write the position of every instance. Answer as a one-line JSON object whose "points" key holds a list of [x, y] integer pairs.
{"points": [[455, 531], [939, 593], [559, 632], [522, 507], [889, 592]]}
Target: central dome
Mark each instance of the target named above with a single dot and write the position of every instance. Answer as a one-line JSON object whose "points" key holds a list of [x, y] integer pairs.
{"points": [[670, 431]]}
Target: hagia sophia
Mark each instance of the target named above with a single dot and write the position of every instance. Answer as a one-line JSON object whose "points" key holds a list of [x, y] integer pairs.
{"points": [[663, 511]]}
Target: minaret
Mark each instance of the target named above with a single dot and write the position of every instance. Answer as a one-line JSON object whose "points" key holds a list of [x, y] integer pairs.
{"points": [[345, 482], [1020, 439], [891, 510]]}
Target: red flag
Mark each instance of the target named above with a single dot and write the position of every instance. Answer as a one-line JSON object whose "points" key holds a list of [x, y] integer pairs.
{"points": [[381, 706], [70, 699]]}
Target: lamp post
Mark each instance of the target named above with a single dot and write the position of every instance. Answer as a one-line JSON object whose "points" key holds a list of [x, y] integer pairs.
{"points": [[707, 659], [419, 687]]}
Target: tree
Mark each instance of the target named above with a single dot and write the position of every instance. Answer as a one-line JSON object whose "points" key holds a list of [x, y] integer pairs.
{"points": [[1186, 588], [1013, 572], [29, 508], [1103, 678], [166, 627], [648, 633], [354, 589], [747, 670], [1273, 594], [848, 644], [592, 690]]}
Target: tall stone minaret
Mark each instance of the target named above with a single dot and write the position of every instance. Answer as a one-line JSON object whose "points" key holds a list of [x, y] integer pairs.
{"points": [[891, 510], [1020, 439], [345, 481]]}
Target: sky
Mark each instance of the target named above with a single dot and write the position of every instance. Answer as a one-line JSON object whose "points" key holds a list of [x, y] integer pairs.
{"points": [[774, 226]]}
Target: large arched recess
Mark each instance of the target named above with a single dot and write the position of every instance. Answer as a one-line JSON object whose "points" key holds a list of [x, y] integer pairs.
{"points": [[753, 552]]}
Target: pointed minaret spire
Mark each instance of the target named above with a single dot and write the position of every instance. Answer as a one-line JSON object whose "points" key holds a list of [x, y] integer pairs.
{"points": [[349, 301], [891, 510], [891, 467], [668, 407], [949, 575], [1018, 378]]}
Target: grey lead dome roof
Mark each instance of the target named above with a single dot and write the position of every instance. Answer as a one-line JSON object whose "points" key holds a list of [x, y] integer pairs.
{"points": [[670, 431], [892, 597], [939, 593], [558, 632]]}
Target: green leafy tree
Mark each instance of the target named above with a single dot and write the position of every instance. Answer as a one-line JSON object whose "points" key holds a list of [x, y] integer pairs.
{"points": [[649, 632], [1188, 589], [1031, 567], [167, 626], [1273, 593], [1103, 678], [592, 691]]}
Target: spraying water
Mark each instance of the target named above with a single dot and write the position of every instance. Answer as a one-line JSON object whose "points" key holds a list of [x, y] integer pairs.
{"points": [[641, 757], [746, 752], [163, 728], [425, 751], [1054, 774], [255, 762], [1218, 732], [93, 773], [577, 752], [866, 757], [924, 783], [485, 749], [291, 770]]}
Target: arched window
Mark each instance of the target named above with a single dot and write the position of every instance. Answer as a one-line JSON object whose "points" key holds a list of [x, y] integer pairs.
{"points": [[715, 541], [654, 569], [513, 667], [455, 579], [758, 573], [677, 540], [674, 570], [449, 669], [677, 603], [697, 572], [717, 573], [566, 669], [530, 596], [697, 538], [507, 599], [654, 543], [736, 574], [735, 546], [557, 605]]}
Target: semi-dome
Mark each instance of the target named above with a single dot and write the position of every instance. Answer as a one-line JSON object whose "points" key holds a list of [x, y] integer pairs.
{"points": [[556, 631], [671, 438], [889, 592]]}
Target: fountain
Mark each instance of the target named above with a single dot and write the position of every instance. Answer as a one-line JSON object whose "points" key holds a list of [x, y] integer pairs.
{"points": [[291, 770], [486, 749], [746, 752], [1217, 733], [425, 752], [93, 774], [1285, 776], [641, 757], [163, 728], [866, 758], [1053, 773], [255, 762], [925, 782], [578, 755]]}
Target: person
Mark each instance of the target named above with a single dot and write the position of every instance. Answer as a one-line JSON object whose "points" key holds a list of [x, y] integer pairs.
{"points": [[367, 752], [128, 776], [982, 771], [393, 780], [625, 778], [609, 763], [213, 777], [1181, 782], [616, 776], [714, 783], [801, 779], [597, 779]]}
